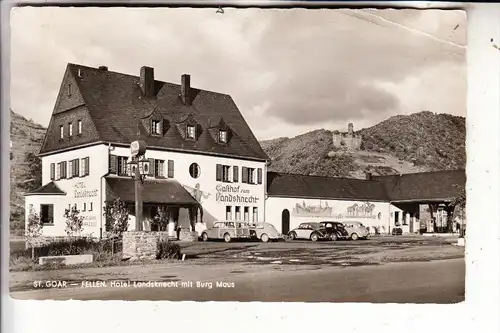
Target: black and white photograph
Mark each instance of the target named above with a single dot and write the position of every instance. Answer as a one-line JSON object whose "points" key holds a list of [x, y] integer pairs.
{"points": [[238, 154]]}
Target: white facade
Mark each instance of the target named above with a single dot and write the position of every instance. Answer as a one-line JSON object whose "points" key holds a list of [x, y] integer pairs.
{"points": [[220, 200], [373, 214]]}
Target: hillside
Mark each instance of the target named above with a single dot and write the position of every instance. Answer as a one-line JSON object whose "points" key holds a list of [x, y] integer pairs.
{"points": [[27, 138], [422, 141]]}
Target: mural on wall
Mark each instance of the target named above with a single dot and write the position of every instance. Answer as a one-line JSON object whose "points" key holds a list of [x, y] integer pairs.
{"points": [[199, 195], [365, 210], [312, 210]]}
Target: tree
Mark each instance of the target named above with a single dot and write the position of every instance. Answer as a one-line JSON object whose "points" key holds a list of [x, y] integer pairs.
{"points": [[162, 219], [117, 217], [74, 222], [33, 231], [33, 177], [460, 201]]}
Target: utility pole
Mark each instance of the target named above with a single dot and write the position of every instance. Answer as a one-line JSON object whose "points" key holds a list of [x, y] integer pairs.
{"points": [[138, 197]]}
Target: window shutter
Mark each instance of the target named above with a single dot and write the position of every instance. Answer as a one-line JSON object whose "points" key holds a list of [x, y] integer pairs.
{"points": [[151, 167], [218, 172], [113, 161], [87, 166], [235, 174], [52, 171], [77, 167], [259, 176], [65, 169], [170, 169], [244, 175]]}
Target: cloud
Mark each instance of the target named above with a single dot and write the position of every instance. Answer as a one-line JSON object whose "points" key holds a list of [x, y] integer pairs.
{"points": [[298, 69]]}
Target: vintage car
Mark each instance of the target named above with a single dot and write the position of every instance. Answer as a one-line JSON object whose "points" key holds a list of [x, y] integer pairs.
{"points": [[356, 230], [309, 230], [335, 230], [227, 230], [264, 231]]}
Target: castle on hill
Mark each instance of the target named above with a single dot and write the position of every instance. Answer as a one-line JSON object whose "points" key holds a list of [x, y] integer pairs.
{"points": [[347, 140]]}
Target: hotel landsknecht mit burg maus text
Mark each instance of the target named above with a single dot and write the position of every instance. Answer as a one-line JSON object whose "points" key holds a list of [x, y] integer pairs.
{"points": [[205, 164]]}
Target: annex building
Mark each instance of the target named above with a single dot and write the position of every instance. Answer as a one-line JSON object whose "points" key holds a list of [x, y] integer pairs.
{"points": [[205, 164]]}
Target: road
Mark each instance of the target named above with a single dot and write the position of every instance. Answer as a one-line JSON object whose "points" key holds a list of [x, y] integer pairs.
{"points": [[441, 281]]}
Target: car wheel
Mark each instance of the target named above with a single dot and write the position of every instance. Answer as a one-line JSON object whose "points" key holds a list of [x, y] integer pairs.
{"points": [[354, 236], [333, 236], [264, 238], [314, 237], [227, 238], [292, 235], [204, 236]]}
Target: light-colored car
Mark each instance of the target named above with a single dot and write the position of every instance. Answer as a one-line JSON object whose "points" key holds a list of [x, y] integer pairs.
{"points": [[356, 230], [310, 230], [227, 230], [264, 231]]}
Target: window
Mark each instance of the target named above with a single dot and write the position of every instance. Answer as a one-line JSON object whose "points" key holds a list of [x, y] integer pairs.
{"points": [[191, 132], [396, 218], [222, 136], [246, 214], [255, 215], [90, 207], [229, 213], [69, 90], [84, 206], [194, 170], [79, 127], [251, 175], [61, 131], [71, 169], [259, 176], [156, 127], [225, 173], [47, 214], [62, 168], [222, 173], [237, 213], [84, 170], [70, 128], [122, 165], [159, 169]]}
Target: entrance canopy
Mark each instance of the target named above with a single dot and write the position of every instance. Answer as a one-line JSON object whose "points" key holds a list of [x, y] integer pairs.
{"points": [[161, 192]]}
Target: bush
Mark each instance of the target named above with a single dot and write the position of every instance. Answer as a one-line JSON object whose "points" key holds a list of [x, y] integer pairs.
{"points": [[168, 250]]}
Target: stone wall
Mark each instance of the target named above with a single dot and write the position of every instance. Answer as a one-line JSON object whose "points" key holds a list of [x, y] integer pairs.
{"points": [[140, 244]]}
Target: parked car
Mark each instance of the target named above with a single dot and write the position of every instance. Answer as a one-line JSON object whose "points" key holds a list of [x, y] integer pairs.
{"points": [[227, 230], [356, 230], [264, 231], [309, 230], [335, 230]]}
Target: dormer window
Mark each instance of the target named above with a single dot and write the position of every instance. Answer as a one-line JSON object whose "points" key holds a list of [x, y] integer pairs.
{"points": [[79, 127], [191, 132], [69, 90], [156, 127], [61, 131], [222, 136], [70, 125]]}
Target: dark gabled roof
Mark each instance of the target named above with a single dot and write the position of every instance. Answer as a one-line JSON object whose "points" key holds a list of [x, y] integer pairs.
{"points": [[47, 189], [302, 186], [166, 191], [424, 186], [114, 102]]}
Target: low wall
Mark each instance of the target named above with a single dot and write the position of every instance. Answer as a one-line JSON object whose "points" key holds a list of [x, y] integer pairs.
{"points": [[44, 240], [141, 244]]}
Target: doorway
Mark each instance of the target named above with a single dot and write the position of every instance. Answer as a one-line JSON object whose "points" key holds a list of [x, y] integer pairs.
{"points": [[285, 221]]}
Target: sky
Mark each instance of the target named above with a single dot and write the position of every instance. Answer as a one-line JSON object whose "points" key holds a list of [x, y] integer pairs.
{"points": [[289, 71]]}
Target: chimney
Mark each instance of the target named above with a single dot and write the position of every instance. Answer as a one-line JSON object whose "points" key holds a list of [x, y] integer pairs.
{"points": [[103, 68], [369, 176], [185, 89], [147, 81]]}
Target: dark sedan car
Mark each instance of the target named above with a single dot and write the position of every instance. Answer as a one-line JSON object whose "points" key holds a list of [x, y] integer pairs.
{"points": [[335, 230]]}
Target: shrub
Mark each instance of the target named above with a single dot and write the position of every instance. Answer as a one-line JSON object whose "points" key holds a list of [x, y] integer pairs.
{"points": [[117, 217], [168, 250]]}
